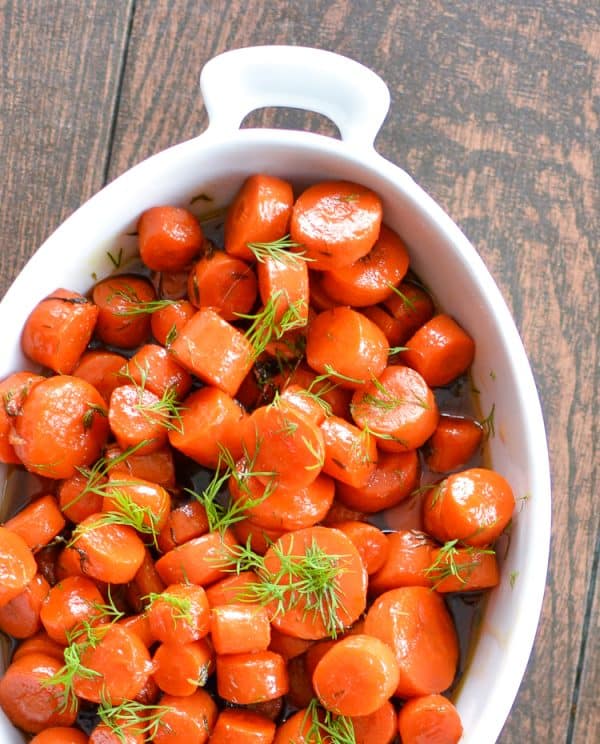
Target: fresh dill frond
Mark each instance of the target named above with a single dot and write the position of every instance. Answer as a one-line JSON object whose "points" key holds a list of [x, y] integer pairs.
{"points": [[327, 727], [138, 307], [182, 606], [408, 303], [265, 326], [145, 720], [330, 372], [447, 563], [279, 251]]}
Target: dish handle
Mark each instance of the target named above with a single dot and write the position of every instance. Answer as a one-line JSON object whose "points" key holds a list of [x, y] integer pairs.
{"points": [[242, 80]]}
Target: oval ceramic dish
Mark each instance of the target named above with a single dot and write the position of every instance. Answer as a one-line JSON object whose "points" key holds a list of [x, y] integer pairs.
{"points": [[216, 163]]}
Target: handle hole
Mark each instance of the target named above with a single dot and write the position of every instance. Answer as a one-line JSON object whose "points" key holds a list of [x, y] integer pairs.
{"points": [[283, 117]]}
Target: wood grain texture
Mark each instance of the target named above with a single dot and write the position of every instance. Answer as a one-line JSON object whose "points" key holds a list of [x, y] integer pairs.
{"points": [[495, 111], [60, 73]]}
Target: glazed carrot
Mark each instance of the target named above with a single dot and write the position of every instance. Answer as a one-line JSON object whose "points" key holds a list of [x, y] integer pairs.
{"points": [[40, 643], [150, 692], [314, 655], [388, 324], [123, 320], [410, 556], [398, 408], [127, 734], [283, 446], [183, 523], [68, 563], [172, 285], [214, 350], [393, 479], [210, 421], [370, 542], [259, 538], [74, 503], [342, 598], [242, 727], [372, 278], [473, 506], [139, 625], [181, 667], [377, 728], [147, 581], [224, 283], [356, 676], [169, 320], [350, 453], [147, 499], [251, 678], [231, 590], [62, 426], [259, 213], [458, 569], [136, 415], [319, 299], [189, 719], [154, 369], [58, 330], [335, 399], [169, 238], [197, 561], [410, 306], [307, 404], [26, 698], [284, 281], [108, 552], [295, 730], [415, 623], [240, 628], [121, 662], [453, 443], [341, 513], [180, 614], [13, 391], [288, 646], [21, 616], [17, 565], [336, 223], [38, 523], [430, 719], [440, 351], [101, 369], [282, 507], [157, 467], [71, 602], [60, 735], [345, 345]]}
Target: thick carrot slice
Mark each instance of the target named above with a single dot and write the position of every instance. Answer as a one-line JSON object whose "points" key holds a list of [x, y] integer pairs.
{"points": [[169, 238], [127, 734], [183, 523], [198, 561], [157, 467], [168, 321], [377, 728], [308, 404], [180, 614], [180, 667], [350, 453], [284, 281], [432, 719], [27, 699], [224, 283], [136, 415], [336, 223], [240, 628], [283, 446], [415, 623], [410, 307], [369, 540], [347, 346], [70, 603], [372, 278], [440, 351], [76, 505], [147, 581], [319, 299], [58, 330], [453, 443], [68, 563], [315, 615], [463, 570], [214, 350], [288, 646], [17, 565], [101, 369], [108, 552], [123, 320], [335, 399], [122, 664], [398, 408], [473, 506], [13, 391], [21, 616], [231, 590], [60, 735], [242, 727], [356, 676], [295, 730], [394, 478], [187, 719], [259, 538], [259, 213], [40, 643], [151, 499], [139, 625], [251, 678], [341, 513], [410, 556], [62, 426], [211, 420], [154, 369], [38, 523]]}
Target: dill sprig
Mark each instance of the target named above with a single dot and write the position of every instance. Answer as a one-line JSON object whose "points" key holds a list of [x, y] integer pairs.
{"points": [[488, 424], [166, 411], [446, 565], [408, 303], [265, 326], [279, 251], [88, 416], [182, 606], [107, 610], [311, 578], [145, 720], [330, 372], [397, 350], [327, 727], [142, 308], [387, 401]]}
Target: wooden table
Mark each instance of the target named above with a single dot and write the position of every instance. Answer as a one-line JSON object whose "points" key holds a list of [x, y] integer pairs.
{"points": [[494, 111]]}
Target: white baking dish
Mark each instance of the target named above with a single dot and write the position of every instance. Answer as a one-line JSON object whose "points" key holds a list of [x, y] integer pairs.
{"points": [[215, 163]]}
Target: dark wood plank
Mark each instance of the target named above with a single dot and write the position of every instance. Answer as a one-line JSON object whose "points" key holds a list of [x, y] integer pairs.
{"points": [[586, 720], [60, 65]]}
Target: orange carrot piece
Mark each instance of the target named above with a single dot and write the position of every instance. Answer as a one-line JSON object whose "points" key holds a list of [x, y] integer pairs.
{"points": [[187, 719], [181, 667], [168, 321], [74, 504], [101, 369], [370, 541], [242, 727], [154, 369], [21, 616], [432, 719], [13, 391], [180, 614], [38, 523], [60, 735], [230, 590], [183, 523], [157, 467], [288, 646], [169, 238], [463, 570], [40, 643], [350, 454], [251, 678], [377, 728], [410, 555], [121, 320], [71, 602], [410, 306], [17, 565], [240, 628], [151, 498], [284, 281], [136, 415], [224, 283], [198, 561], [453, 443]]}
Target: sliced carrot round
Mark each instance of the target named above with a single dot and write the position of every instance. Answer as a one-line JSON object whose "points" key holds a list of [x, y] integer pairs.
{"points": [[431, 719], [101, 369], [251, 678], [187, 719], [377, 728], [180, 667], [137, 416], [169, 238], [17, 565], [410, 556], [410, 306], [179, 614], [21, 616], [154, 369], [13, 391], [224, 283], [70, 603], [38, 523], [240, 628], [123, 320], [183, 523], [199, 561], [369, 540], [168, 321], [242, 727], [60, 735]]}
